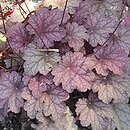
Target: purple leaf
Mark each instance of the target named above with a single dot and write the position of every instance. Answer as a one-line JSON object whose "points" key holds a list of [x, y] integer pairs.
{"points": [[128, 2], [10, 87], [99, 28], [17, 37], [112, 87], [15, 102], [38, 84], [111, 8], [94, 112], [82, 12], [26, 79], [72, 73], [110, 57], [76, 34], [64, 48], [32, 105], [51, 102], [121, 38], [45, 24], [54, 103]]}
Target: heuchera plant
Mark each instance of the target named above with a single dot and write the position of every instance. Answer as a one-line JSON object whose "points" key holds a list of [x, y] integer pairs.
{"points": [[67, 65]]}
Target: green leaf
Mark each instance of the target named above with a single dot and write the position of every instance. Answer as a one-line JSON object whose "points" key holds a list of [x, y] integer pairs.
{"points": [[39, 61]]}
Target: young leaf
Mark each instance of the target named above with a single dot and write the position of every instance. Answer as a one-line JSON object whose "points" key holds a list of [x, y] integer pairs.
{"points": [[94, 112], [110, 57], [76, 34], [112, 87], [38, 84], [72, 73], [39, 61], [45, 25]]}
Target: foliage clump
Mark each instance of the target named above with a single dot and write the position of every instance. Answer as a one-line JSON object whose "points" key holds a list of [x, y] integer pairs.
{"points": [[69, 47]]}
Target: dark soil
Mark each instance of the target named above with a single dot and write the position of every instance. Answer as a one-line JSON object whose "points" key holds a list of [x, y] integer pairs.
{"points": [[18, 121]]}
